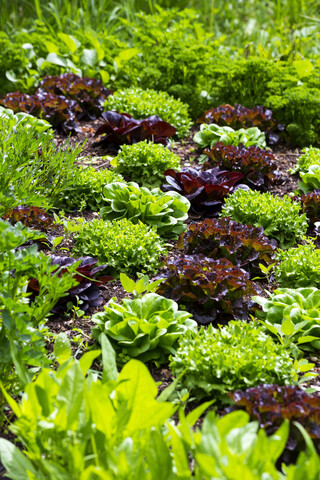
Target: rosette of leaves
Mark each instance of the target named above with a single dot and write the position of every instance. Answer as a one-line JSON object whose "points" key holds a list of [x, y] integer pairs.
{"points": [[87, 292], [213, 362], [257, 165], [311, 205], [141, 103], [89, 93], [310, 179], [120, 129], [146, 328], [310, 156], [144, 162], [25, 119], [164, 211], [279, 217], [87, 188], [243, 117], [298, 266], [271, 404], [244, 245], [293, 313], [212, 290], [206, 191], [121, 245], [209, 135], [32, 217], [58, 110]]}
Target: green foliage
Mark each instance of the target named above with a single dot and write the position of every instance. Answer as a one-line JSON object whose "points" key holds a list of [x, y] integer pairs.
{"points": [[142, 103], [22, 331], [299, 266], [210, 134], [25, 119], [122, 245], [145, 162], [146, 328], [310, 179], [87, 188], [215, 361], [279, 217], [34, 171], [310, 156], [293, 313], [164, 211]]}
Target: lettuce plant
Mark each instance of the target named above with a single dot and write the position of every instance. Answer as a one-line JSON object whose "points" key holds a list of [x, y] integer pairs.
{"points": [[210, 288], [279, 217], [32, 217], [310, 179], [240, 116], [311, 205], [86, 189], [146, 328], [243, 245], [257, 165], [310, 156], [120, 129], [25, 119], [298, 266], [121, 245], [145, 163], [213, 361], [294, 313], [270, 405], [209, 135], [141, 103], [164, 211], [206, 191]]}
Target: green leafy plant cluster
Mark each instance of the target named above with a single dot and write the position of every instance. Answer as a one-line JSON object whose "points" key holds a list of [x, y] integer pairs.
{"points": [[115, 428], [145, 162], [293, 313], [310, 156], [164, 211], [310, 179], [121, 245], [279, 217], [142, 103], [86, 189], [146, 328], [22, 331], [25, 119], [213, 362], [298, 266], [210, 134]]}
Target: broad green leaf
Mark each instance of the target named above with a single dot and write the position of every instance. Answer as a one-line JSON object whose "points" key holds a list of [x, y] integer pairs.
{"points": [[87, 359], [110, 371], [69, 41], [287, 327], [127, 283], [180, 457], [15, 462], [55, 59], [62, 348], [89, 57]]}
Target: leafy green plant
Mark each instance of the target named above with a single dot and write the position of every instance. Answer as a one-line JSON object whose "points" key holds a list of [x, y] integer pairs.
{"points": [[210, 134], [146, 328], [298, 266], [293, 314], [145, 162], [121, 245], [164, 211], [310, 179], [279, 217], [213, 362], [310, 156], [86, 188], [22, 330], [211, 289], [141, 103], [25, 119]]}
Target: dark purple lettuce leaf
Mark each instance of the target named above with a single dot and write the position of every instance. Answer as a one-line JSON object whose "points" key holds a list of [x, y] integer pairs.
{"points": [[257, 165], [32, 217], [206, 190], [245, 246], [89, 93], [121, 128], [86, 291], [212, 290], [311, 205], [242, 117], [271, 405]]}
